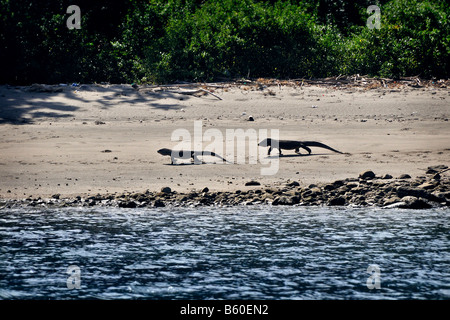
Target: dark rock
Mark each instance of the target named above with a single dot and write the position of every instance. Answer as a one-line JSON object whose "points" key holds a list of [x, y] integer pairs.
{"points": [[338, 201], [418, 193], [205, 189], [409, 191], [338, 183], [283, 201], [159, 203], [446, 194], [359, 190], [250, 118], [205, 200], [127, 204], [56, 196], [351, 185], [252, 183], [411, 202], [166, 190], [293, 184], [367, 175], [436, 169], [387, 176], [295, 199], [192, 195]]}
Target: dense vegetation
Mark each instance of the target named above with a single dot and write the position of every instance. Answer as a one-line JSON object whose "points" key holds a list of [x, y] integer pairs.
{"points": [[204, 40]]}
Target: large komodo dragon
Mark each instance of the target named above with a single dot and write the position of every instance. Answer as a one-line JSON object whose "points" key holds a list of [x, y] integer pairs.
{"points": [[186, 154], [293, 145]]}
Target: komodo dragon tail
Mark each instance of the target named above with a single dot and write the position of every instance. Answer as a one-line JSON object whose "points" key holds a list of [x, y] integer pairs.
{"points": [[318, 144], [210, 153]]}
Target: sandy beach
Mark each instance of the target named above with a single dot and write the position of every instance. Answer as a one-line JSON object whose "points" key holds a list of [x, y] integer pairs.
{"points": [[99, 139]]}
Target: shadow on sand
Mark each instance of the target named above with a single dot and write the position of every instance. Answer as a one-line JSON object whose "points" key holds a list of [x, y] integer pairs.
{"points": [[24, 105]]}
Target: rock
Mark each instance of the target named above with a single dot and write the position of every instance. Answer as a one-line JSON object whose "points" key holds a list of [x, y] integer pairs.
{"points": [[285, 201], [419, 193], [338, 183], [337, 201], [414, 203], [440, 197], [391, 200], [205, 189], [127, 204], [351, 185], [359, 190], [166, 190], [409, 191], [252, 183], [427, 185], [387, 176], [342, 190], [159, 203], [276, 201], [56, 196], [404, 176], [293, 184], [295, 199], [446, 194], [436, 169], [367, 175], [250, 118], [315, 190]]}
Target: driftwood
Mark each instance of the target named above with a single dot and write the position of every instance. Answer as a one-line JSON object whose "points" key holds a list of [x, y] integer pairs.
{"points": [[357, 80], [340, 81], [193, 92]]}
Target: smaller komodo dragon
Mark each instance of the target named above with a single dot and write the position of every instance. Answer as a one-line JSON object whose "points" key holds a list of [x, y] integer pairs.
{"points": [[186, 154]]}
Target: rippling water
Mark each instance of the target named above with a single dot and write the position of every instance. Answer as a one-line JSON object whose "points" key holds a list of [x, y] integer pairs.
{"points": [[224, 253]]}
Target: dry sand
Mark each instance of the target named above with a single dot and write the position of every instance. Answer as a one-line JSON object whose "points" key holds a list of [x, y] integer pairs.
{"points": [[51, 143]]}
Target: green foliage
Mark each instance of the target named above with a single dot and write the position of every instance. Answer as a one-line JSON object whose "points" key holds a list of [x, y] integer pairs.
{"points": [[413, 40], [201, 40]]}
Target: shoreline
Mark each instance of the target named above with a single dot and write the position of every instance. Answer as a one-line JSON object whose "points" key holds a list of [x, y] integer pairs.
{"points": [[429, 191], [90, 140]]}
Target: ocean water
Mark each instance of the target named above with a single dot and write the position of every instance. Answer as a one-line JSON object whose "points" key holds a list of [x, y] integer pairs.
{"points": [[224, 253]]}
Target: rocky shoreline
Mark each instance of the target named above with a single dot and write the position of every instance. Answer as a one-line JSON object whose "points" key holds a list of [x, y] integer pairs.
{"points": [[368, 190]]}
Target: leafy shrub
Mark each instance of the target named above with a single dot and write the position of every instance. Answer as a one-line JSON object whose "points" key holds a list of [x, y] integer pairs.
{"points": [[202, 40], [413, 40]]}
